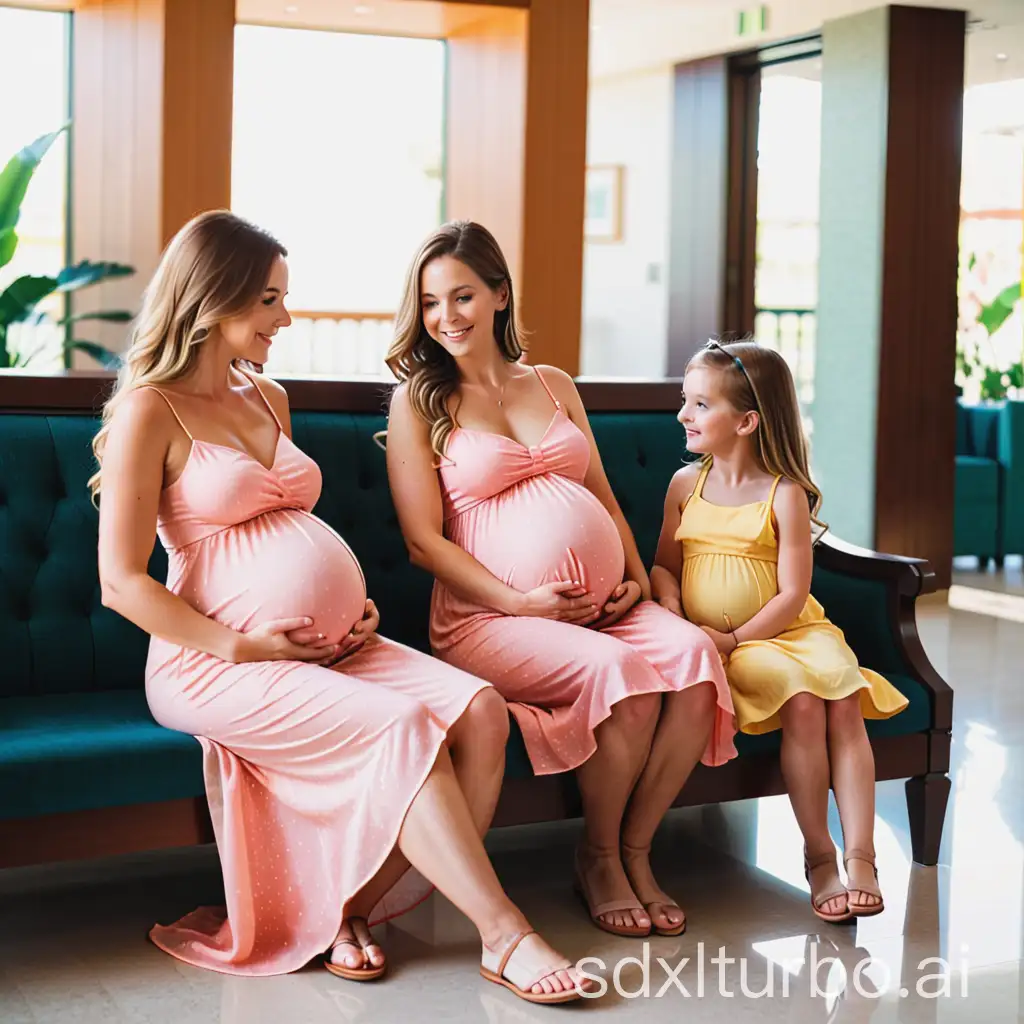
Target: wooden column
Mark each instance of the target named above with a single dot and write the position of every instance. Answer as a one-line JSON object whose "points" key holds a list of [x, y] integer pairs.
{"points": [[884, 416], [152, 102], [555, 185], [516, 160]]}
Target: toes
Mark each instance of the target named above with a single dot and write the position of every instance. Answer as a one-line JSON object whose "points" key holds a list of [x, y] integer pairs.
{"points": [[639, 919], [375, 955]]}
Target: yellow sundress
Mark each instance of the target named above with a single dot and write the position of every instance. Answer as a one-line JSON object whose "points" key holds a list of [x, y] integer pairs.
{"points": [[730, 572]]}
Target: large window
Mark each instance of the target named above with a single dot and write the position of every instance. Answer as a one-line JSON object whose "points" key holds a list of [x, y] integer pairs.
{"points": [[34, 101], [338, 150]]}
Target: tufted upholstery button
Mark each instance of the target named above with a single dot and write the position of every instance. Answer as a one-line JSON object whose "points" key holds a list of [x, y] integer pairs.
{"points": [[641, 458], [364, 483]]}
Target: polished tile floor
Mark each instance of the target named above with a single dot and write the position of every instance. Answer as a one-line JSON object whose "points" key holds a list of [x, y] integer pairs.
{"points": [[73, 949]]}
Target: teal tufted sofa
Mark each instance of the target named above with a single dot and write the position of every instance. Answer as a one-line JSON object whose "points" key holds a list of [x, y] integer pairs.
{"points": [[83, 767]]}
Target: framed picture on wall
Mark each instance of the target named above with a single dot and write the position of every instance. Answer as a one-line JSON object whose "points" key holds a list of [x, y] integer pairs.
{"points": [[603, 217]]}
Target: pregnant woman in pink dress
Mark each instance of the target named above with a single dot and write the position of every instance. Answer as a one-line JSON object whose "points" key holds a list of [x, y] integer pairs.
{"points": [[333, 758], [540, 589]]}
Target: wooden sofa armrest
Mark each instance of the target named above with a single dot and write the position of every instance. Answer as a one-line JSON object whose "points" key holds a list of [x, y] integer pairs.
{"points": [[912, 577], [905, 580]]}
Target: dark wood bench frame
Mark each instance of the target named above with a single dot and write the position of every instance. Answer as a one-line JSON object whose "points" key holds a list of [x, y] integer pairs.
{"points": [[920, 758]]}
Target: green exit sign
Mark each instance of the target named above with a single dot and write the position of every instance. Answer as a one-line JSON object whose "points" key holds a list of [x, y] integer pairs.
{"points": [[752, 21]]}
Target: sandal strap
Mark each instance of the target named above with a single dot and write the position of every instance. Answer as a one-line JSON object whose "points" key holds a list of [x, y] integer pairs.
{"points": [[510, 949], [542, 973], [835, 888], [820, 860], [868, 858]]}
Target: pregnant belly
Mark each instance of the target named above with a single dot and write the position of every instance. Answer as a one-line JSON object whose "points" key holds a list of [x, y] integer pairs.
{"points": [[725, 591], [281, 565], [544, 530]]}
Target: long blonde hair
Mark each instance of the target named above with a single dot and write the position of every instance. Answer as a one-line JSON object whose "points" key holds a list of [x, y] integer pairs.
{"points": [[758, 379], [415, 357], [214, 268]]}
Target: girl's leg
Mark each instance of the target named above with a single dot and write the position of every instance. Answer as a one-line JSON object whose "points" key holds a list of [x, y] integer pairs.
{"points": [[853, 779], [805, 769]]}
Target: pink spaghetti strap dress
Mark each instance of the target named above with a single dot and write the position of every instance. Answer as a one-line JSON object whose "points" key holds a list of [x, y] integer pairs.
{"points": [[309, 771], [525, 515]]}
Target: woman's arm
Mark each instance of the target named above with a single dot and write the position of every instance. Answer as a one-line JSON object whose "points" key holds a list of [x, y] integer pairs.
{"points": [[796, 564], [133, 470], [666, 573], [416, 492], [596, 480]]}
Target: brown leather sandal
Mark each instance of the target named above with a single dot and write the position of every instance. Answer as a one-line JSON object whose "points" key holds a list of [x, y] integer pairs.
{"points": [[365, 973], [868, 890], [521, 985], [831, 892]]}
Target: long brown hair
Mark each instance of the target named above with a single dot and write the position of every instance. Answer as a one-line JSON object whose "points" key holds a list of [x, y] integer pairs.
{"points": [[214, 268], [414, 357], [758, 379]]}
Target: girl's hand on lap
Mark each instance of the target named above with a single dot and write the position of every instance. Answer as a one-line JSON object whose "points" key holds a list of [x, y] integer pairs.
{"points": [[725, 642], [673, 604]]}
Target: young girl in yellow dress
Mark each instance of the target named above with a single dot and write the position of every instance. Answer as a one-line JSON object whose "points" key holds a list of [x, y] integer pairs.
{"points": [[735, 557]]}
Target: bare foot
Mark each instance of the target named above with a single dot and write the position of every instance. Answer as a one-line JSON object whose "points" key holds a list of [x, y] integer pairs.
{"points": [[355, 947], [604, 880], [666, 914]]}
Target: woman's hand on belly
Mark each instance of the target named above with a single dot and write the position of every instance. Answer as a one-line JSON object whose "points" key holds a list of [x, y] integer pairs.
{"points": [[361, 631], [622, 598], [270, 641], [566, 602]]}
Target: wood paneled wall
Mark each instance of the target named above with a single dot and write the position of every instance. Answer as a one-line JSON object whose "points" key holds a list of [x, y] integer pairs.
{"points": [[152, 102], [152, 143], [555, 186], [517, 127], [486, 127]]}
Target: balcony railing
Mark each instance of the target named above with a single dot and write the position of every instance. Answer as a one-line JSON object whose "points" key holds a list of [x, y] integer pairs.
{"points": [[333, 344], [793, 332]]}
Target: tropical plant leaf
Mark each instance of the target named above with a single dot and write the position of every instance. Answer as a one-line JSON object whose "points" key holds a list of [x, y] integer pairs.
{"points": [[1015, 375], [15, 177], [8, 243], [83, 274], [993, 385], [112, 316], [999, 310], [21, 297], [107, 359]]}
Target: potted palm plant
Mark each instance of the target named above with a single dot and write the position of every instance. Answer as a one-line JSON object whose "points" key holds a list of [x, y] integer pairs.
{"points": [[19, 302]]}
